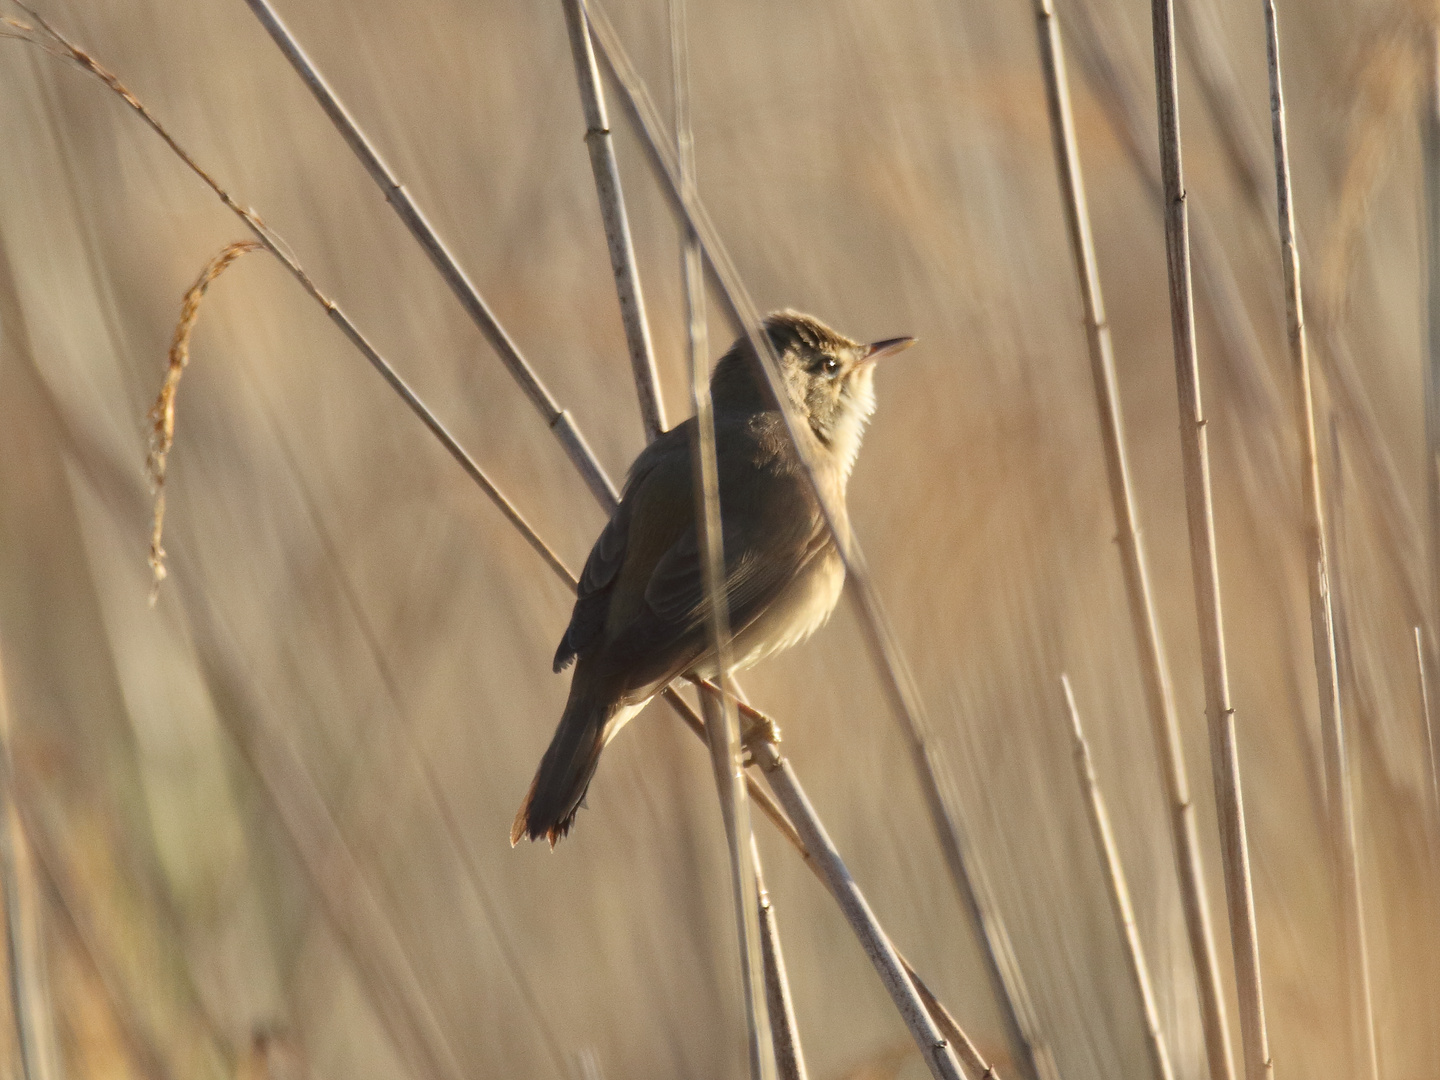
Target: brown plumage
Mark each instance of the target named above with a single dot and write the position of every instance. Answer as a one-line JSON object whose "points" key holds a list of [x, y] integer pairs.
{"points": [[640, 610]]}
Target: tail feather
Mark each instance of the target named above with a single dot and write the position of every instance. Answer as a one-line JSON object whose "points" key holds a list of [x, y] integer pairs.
{"points": [[565, 772]]}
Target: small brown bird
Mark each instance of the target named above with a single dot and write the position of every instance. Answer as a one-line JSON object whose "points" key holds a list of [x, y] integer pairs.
{"points": [[640, 613]]}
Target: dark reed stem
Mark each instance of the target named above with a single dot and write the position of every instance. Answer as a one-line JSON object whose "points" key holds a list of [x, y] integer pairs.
{"points": [[1155, 673], [1341, 817], [1200, 517]]}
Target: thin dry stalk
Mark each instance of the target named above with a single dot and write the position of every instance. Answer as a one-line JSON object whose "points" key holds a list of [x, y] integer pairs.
{"points": [[617, 223], [723, 728], [1119, 893], [1248, 158], [1155, 673], [940, 1056], [558, 420], [784, 1031], [1200, 517], [162, 413], [897, 681], [25, 961], [46, 37], [1356, 968]]}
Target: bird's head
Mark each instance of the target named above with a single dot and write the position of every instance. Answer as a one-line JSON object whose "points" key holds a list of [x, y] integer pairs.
{"points": [[830, 379]]}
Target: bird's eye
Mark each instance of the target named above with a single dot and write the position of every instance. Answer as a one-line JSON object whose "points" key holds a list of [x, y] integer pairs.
{"points": [[831, 367]]}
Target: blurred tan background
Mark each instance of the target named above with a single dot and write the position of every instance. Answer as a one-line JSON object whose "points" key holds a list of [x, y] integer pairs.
{"points": [[341, 597]]}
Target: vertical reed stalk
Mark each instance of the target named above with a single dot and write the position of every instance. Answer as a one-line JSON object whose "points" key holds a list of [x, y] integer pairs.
{"points": [[1155, 674], [25, 962], [617, 223], [784, 1033], [1200, 517], [722, 726], [1341, 814], [1119, 893]]}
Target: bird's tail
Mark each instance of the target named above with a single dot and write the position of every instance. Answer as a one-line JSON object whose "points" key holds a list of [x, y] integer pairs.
{"points": [[569, 764]]}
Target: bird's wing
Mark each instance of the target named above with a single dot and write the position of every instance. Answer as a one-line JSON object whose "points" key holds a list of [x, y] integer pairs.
{"points": [[608, 556]]}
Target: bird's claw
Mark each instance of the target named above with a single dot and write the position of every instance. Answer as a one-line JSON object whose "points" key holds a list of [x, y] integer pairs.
{"points": [[755, 731]]}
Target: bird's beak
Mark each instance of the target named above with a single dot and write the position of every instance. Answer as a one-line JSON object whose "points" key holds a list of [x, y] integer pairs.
{"points": [[888, 347]]}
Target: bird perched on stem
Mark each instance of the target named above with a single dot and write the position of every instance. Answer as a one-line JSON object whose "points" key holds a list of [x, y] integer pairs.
{"points": [[641, 608]]}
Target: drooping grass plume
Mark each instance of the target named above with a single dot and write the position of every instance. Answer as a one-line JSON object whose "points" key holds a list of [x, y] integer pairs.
{"points": [[162, 413]]}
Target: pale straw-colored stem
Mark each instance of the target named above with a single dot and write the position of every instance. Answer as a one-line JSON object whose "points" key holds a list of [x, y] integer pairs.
{"points": [[617, 222], [1248, 158], [784, 1031], [1155, 673], [556, 419], [1120, 905], [1200, 518], [940, 1056], [1340, 804], [723, 728], [897, 681], [24, 955]]}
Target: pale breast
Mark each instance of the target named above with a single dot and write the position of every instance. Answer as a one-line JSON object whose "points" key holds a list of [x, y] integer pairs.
{"points": [[802, 608]]}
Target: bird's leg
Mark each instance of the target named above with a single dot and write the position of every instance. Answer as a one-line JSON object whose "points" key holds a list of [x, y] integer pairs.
{"points": [[756, 728]]}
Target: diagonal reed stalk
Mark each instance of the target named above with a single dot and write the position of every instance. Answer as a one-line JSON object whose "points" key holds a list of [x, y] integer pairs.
{"points": [[556, 419], [45, 36], [1159, 1056], [617, 222], [1341, 817], [1200, 518], [1155, 673]]}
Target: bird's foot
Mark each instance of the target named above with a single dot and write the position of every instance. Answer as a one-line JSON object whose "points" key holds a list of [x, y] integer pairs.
{"points": [[756, 730]]}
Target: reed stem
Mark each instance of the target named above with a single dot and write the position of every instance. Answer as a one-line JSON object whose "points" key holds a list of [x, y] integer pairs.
{"points": [[1155, 673], [1341, 812], [617, 222], [1200, 517], [1119, 893]]}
